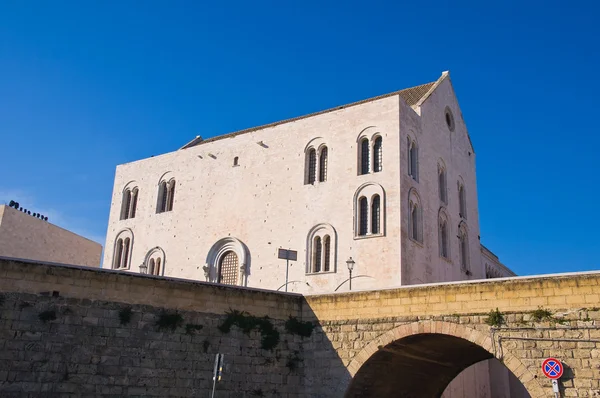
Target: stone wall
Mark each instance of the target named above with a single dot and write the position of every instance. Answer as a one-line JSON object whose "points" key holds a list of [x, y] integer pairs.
{"points": [[354, 347], [61, 334]]}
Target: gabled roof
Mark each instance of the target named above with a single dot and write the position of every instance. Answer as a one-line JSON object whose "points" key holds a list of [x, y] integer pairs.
{"points": [[411, 96]]}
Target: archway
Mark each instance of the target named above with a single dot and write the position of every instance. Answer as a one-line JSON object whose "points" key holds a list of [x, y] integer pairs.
{"points": [[421, 359]]}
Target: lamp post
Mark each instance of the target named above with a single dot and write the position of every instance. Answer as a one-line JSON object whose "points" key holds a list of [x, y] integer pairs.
{"points": [[350, 263], [143, 268]]}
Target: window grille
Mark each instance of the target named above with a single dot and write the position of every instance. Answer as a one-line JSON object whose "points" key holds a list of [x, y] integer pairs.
{"points": [[327, 244], [377, 157], [364, 216], [228, 269], [318, 254], [312, 166], [375, 215], [323, 165], [364, 156]]}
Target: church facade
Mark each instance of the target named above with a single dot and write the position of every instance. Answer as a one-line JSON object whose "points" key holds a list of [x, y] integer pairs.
{"points": [[389, 182]]}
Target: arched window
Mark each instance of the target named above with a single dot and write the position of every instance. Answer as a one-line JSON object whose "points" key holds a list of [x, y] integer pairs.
{"points": [[321, 249], [377, 154], [443, 234], [364, 216], [126, 246], [376, 215], [463, 241], [415, 217], [364, 156], [228, 268], [318, 253], [327, 253], [134, 200], [157, 267], [413, 159], [312, 166], [126, 204], [323, 165], [462, 201], [369, 210], [170, 195], [235, 161], [118, 256], [442, 184], [162, 197], [151, 266], [123, 249]]}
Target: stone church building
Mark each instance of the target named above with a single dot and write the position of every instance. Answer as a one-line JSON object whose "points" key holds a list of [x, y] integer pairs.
{"points": [[389, 182]]}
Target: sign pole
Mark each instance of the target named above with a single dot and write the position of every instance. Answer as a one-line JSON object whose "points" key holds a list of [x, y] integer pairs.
{"points": [[217, 372], [287, 270]]}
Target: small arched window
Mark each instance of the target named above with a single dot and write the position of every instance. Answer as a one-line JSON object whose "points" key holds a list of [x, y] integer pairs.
{"points": [[318, 252], [415, 217], [462, 201], [321, 249], [323, 164], [235, 161], [157, 267], [376, 215], [463, 241], [151, 266], [312, 166], [170, 195], [327, 253], [377, 154], [364, 216], [364, 156], [442, 184], [118, 256], [126, 245], [443, 235], [162, 197], [126, 204], [413, 159]]}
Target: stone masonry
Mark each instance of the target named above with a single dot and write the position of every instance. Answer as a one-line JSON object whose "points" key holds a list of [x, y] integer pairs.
{"points": [[356, 349]]}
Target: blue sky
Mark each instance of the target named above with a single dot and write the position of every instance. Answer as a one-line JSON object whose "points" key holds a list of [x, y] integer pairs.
{"points": [[85, 86]]}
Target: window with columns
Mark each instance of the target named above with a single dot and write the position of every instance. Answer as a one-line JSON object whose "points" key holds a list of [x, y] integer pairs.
{"points": [[369, 211], [370, 152], [129, 203], [316, 163], [166, 196], [321, 250], [122, 250]]}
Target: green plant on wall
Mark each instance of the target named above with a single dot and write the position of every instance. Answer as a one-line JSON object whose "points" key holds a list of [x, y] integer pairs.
{"points": [[125, 315], [169, 321], [541, 314], [301, 328], [247, 323], [495, 318]]}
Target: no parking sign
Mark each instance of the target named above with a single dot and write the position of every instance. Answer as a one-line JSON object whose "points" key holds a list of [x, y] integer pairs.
{"points": [[552, 368]]}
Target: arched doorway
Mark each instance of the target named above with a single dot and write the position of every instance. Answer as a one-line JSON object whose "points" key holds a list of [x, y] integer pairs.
{"points": [[228, 268], [421, 359]]}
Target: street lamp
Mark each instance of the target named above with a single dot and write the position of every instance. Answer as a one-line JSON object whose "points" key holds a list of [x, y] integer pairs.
{"points": [[143, 268], [350, 263]]}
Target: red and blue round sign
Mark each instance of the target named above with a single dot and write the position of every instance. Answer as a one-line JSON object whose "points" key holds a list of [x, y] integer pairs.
{"points": [[552, 368]]}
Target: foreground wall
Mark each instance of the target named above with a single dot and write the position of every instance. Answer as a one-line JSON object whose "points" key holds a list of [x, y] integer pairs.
{"points": [[27, 237], [86, 350]]}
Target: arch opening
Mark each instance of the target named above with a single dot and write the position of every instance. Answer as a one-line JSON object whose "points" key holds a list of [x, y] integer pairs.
{"points": [[420, 366]]}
